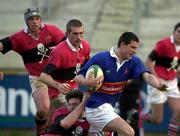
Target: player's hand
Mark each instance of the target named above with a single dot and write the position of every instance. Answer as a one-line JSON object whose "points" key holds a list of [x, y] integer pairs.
{"points": [[163, 87], [93, 81], [1, 75], [64, 88]]}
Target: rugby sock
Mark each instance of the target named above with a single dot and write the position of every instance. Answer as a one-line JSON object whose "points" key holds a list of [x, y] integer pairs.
{"points": [[173, 127], [146, 117], [136, 115], [41, 126]]}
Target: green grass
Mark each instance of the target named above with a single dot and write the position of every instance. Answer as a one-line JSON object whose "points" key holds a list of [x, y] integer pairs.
{"points": [[31, 132], [17, 132]]}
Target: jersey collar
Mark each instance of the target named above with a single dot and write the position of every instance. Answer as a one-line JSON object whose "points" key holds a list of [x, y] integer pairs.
{"points": [[72, 47], [112, 54], [172, 39]]}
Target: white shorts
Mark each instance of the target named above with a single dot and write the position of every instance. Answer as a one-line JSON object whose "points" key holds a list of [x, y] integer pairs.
{"points": [[99, 117], [155, 96], [36, 84]]}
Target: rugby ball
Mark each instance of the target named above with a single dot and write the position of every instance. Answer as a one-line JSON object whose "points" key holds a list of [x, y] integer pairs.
{"points": [[94, 72]]}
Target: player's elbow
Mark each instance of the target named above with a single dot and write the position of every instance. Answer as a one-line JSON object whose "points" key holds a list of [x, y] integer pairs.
{"points": [[65, 125], [42, 77]]}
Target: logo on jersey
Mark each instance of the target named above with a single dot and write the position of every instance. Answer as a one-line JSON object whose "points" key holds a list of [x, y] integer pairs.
{"points": [[42, 50], [174, 64], [108, 72], [78, 131], [78, 67], [112, 88]]}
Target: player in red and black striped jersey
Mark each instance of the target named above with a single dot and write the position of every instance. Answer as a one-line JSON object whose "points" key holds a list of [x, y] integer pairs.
{"points": [[65, 60], [163, 62], [70, 121], [34, 44]]}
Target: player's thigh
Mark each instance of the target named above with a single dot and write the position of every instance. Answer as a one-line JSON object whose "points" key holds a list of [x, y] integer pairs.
{"points": [[174, 104], [157, 110], [39, 93], [41, 99], [121, 126]]}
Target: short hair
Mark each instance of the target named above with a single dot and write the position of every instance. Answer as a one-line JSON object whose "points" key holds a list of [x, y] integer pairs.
{"points": [[127, 37], [176, 26], [74, 94], [73, 23]]}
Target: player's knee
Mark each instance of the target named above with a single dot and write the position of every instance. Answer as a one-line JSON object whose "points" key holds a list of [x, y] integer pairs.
{"points": [[44, 107], [176, 115], [128, 132], [42, 114], [157, 120], [131, 132]]}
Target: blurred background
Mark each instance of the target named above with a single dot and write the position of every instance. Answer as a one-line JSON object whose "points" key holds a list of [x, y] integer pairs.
{"points": [[104, 21]]}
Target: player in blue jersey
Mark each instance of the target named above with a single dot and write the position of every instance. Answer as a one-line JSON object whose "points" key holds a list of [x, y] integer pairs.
{"points": [[119, 65]]}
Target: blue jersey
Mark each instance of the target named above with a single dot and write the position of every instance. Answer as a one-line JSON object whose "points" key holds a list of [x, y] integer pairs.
{"points": [[116, 76]]}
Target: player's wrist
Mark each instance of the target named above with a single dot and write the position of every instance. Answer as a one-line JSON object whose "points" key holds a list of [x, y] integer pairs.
{"points": [[83, 82]]}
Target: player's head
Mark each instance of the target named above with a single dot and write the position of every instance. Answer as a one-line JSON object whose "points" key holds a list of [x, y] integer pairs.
{"points": [[73, 99], [128, 44], [127, 38], [177, 26], [176, 33], [31, 12], [75, 32], [33, 19]]}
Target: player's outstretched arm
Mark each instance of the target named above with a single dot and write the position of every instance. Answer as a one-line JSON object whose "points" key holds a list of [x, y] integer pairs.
{"points": [[153, 81], [69, 120], [49, 81]]}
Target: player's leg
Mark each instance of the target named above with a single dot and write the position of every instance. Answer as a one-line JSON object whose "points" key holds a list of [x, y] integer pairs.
{"points": [[173, 95], [41, 99], [157, 99], [120, 126], [174, 124], [157, 113], [103, 118], [42, 104]]}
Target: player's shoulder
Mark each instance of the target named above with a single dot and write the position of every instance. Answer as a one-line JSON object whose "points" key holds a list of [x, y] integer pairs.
{"points": [[135, 60], [61, 47], [105, 53], [51, 27], [85, 42], [19, 34], [164, 41], [101, 56]]}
